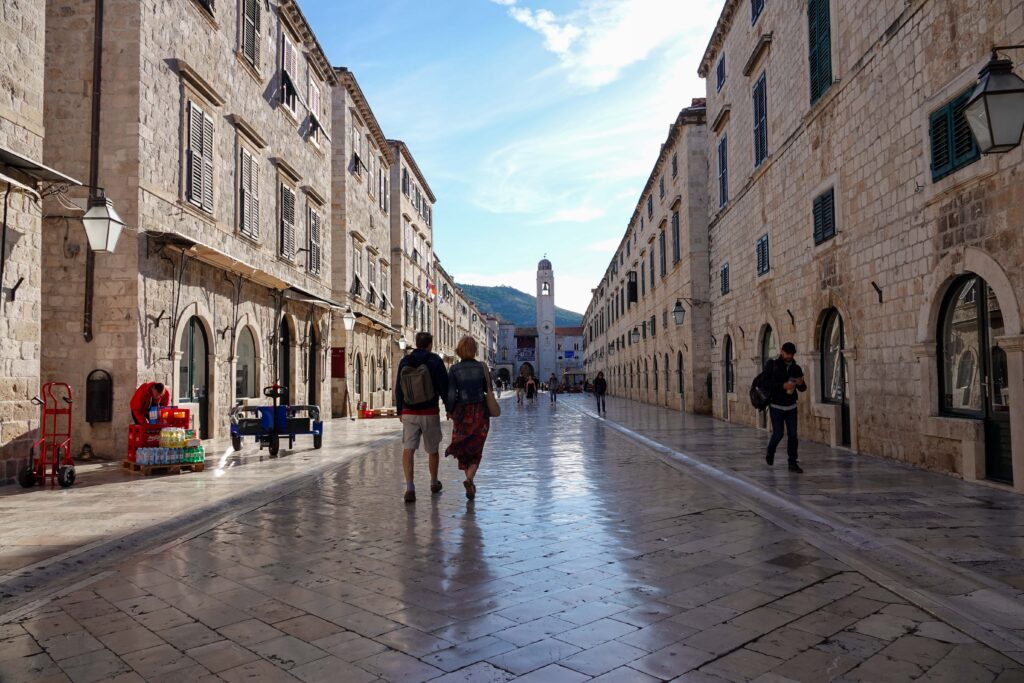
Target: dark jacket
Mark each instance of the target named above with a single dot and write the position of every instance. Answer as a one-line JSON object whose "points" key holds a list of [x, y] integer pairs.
{"points": [[438, 375], [777, 373], [467, 383], [600, 386]]}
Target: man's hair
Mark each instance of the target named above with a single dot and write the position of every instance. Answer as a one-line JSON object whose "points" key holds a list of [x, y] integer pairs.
{"points": [[466, 349], [159, 387], [789, 347], [424, 340]]}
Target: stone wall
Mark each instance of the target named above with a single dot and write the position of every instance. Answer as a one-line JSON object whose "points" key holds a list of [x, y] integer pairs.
{"points": [[893, 64], [22, 37]]}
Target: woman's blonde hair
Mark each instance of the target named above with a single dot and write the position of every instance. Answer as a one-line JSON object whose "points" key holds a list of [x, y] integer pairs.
{"points": [[466, 350]]}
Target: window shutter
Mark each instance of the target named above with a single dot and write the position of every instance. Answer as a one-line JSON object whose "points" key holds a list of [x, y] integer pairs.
{"points": [[676, 252], [194, 187], [254, 199], [760, 121], [819, 222], [965, 149], [812, 43], [829, 214], [314, 242], [723, 171], [287, 223], [251, 31], [824, 35], [207, 163], [942, 160], [760, 257], [244, 183]]}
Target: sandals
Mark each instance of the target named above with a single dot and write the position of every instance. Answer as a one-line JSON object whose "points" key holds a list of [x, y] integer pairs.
{"points": [[470, 489]]}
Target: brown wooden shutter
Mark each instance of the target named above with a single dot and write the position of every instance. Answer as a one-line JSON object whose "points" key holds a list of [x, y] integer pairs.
{"points": [[287, 222], [314, 242], [194, 183], [250, 213], [207, 163], [251, 31]]}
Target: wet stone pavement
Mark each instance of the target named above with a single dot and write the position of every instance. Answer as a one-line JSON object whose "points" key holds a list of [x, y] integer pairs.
{"points": [[583, 557]]}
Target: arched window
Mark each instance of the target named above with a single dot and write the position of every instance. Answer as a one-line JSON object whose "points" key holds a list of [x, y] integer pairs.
{"points": [[769, 345], [833, 365], [679, 371], [385, 375], [730, 379], [284, 359], [192, 365], [960, 347], [666, 373], [371, 372], [655, 374], [647, 382], [359, 374], [245, 366]]}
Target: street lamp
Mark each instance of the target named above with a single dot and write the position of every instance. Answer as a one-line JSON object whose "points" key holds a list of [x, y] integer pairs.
{"points": [[102, 224], [995, 111], [349, 321], [678, 312], [402, 345], [636, 335]]}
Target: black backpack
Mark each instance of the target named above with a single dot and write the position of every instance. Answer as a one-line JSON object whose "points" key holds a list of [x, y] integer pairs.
{"points": [[760, 388]]}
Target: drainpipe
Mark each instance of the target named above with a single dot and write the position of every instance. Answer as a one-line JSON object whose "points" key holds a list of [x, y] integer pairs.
{"points": [[94, 161]]}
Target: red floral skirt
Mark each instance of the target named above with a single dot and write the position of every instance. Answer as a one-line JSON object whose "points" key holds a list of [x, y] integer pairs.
{"points": [[470, 424]]}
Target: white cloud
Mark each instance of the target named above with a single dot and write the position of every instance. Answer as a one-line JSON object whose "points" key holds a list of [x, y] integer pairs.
{"points": [[559, 35], [607, 246], [507, 3], [579, 214]]}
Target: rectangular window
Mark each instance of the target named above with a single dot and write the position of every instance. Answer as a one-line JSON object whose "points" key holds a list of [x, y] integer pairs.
{"points": [[643, 277], [661, 187], [760, 121], [251, 31], [661, 253], [652, 269], [248, 196], [315, 108], [628, 247], [720, 73], [763, 263], [819, 38], [723, 171], [953, 144], [755, 10], [654, 319], [675, 165], [676, 251], [199, 158], [287, 237], [290, 73], [650, 207], [723, 275], [824, 217], [314, 241]]}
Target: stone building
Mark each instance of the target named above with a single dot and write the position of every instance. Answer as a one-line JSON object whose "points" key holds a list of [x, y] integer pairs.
{"points": [[23, 179], [413, 282], [445, 337], [852, 214], [363, 358], [213, 142], [658, 273]]}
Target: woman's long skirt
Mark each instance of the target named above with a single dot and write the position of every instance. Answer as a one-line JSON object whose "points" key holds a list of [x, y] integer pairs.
{"points": [[469, 432]]}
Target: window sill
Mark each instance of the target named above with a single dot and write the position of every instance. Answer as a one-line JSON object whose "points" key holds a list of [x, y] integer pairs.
{"points": [[196, 211], [206, 14], [289, 114], [249, 67]]}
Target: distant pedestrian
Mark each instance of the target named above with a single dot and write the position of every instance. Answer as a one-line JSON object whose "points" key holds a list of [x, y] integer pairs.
{"points": [[783, 378], [531, 389], [422, 381], [497, 387], [520, 386], [600, 389], [553, 387], [466, 403]]}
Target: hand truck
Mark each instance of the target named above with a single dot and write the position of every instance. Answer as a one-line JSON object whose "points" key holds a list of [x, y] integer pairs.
{"points": [[52, 452]]}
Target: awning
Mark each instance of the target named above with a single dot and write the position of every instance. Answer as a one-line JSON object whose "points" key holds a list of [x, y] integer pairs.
{"points": [[371, 321], [34, 168], [297, 294]]}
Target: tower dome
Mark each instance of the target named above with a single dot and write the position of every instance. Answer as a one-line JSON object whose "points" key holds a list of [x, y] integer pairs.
{"points": [[544, 265]]}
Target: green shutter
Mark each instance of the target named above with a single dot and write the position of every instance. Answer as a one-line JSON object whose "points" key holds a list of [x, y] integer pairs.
{"points": [[824, 48], [939, 133]]}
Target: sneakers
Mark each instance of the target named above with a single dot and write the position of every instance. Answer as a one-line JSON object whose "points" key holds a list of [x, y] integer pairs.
{"points": [[410, 496], [436, 487], [770, 458], [794, 467]]}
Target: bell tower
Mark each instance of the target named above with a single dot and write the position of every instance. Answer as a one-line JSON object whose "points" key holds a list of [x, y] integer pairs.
{"points": [[547, 344]]}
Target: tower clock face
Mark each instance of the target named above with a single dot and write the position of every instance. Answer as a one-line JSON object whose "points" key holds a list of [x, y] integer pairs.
{"points": [[546, 327]]}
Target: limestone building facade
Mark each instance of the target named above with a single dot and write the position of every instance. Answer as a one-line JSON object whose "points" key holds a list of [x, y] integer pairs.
{"points": [[852, 214], [362, 358], [661, 263], [23, 180], [213, 142]]}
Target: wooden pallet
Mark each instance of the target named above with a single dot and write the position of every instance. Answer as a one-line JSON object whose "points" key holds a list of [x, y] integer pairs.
{"points": [[146, 470]]}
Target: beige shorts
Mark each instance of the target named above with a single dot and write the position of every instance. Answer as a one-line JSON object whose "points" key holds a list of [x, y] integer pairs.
{"points": [[427, 426]]}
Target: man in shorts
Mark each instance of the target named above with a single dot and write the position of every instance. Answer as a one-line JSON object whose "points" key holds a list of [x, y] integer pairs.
{"points": [[422, 381]]}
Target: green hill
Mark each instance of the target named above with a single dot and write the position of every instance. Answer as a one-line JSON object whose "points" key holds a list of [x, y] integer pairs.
{"points": [[515, 307]]}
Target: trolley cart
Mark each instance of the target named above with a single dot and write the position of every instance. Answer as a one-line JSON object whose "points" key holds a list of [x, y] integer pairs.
{"points": [[51, 454], [270, 424]]}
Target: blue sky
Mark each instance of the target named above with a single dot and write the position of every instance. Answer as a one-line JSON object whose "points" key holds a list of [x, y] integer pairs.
{"points": [[536, 122]]}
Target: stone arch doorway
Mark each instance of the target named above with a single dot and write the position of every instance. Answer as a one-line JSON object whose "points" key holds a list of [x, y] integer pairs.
{"points": [[769, 350], [973, 370], [313, 367], [680, 386], [834, 376], [526, 370], [505, 376], [284, 359], [194, 372]]}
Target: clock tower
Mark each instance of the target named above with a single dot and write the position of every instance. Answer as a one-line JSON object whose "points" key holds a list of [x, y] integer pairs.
{"points": [[547, 345]]}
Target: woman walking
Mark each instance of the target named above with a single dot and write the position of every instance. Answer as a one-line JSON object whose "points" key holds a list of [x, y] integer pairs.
{"points": [[467, 408], [531, 389]]}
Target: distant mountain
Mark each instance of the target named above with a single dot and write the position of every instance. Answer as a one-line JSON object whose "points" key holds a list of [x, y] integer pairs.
{"points": [[516, 307]]}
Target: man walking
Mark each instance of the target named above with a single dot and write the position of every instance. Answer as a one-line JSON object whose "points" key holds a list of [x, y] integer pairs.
{"points": [[553, 387], [520, 386], [783, 378], [422, 381], [600, 389]]}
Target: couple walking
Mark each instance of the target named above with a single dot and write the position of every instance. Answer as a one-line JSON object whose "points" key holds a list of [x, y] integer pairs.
{"points": [[469, 401]]}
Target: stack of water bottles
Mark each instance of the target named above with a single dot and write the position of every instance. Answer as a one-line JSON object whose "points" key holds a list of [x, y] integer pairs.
{"points": [[177, 446]]}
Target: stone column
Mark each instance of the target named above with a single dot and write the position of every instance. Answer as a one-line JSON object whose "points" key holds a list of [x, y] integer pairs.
{"points": [[1014, 348]]}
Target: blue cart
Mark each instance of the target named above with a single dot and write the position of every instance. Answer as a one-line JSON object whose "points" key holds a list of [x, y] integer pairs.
{"points": [[270, 424]]}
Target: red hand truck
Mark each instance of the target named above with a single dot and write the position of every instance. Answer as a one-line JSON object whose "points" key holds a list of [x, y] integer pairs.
{"points": [[52, 453]]}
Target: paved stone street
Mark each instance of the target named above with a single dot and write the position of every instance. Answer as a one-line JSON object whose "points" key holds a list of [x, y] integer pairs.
{"points": [[586, 555]]}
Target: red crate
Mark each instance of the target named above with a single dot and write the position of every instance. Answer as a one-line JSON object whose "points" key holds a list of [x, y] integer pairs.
{"points": [[142, 436], [175, 417]]}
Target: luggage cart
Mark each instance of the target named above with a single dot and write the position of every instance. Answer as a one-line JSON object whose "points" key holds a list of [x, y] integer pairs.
{"points": [[52, 453], [270, 424]]}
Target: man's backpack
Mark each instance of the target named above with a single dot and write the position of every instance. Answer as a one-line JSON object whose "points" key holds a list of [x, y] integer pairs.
{"points": [[417, 385], [760, 389]]}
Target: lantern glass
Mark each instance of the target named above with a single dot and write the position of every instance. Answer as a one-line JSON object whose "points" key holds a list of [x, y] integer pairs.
{"points": [[349, 321], [995, 111], [636, 335], [679, 313], [102, 225]]}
